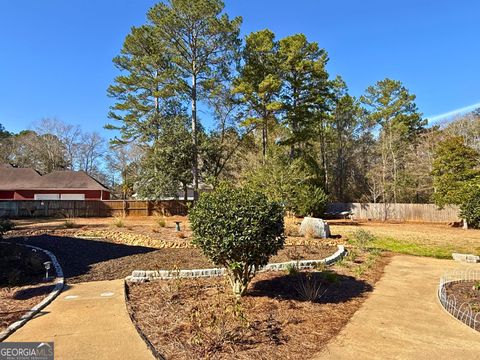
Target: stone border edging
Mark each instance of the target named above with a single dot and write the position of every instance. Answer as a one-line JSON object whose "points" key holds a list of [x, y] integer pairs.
{"points": [[148, 275], [60, 283]]}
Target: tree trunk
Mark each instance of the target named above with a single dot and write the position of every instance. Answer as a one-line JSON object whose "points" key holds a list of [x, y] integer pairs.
{"points": [[194, 137], [239, 284], [264, 141], [185, 195], [323, 150]]}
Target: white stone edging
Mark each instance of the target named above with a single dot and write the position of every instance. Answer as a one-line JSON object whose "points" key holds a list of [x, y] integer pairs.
{"points": [[59, 284], [149, 275]]}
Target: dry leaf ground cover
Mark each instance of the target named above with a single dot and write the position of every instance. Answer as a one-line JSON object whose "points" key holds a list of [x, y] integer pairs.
{"points": [[21, 282], [199, 319]]}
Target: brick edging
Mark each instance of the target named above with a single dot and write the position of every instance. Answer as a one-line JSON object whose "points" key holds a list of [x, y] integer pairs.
{"points": [[60, 283], [148, 275]]}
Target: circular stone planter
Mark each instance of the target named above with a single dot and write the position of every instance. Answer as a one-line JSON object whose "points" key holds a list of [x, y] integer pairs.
{"points": [[59, 284]]}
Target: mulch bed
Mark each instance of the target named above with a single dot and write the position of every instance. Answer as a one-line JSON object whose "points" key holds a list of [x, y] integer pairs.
{"points": [[21, 284], [198, 318], [466, 292], [94, 260]]}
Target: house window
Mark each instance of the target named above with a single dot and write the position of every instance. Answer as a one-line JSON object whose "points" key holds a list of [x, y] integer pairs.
{"points": [[46, 196], [72, 197]]}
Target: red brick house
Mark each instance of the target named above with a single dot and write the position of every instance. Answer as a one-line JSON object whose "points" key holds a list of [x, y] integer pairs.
{"points": [[28, 184]]}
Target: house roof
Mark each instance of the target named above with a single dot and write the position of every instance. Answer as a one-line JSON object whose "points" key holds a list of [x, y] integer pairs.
{"points": [[12, 178], [68, 179]]}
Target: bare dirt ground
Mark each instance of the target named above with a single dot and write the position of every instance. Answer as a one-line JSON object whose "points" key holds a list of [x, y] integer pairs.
{"points": [[198, 318]]}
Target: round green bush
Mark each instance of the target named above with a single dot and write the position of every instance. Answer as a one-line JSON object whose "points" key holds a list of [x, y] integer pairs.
{"points": [[239, 229], [310, 201], [470, 210]]}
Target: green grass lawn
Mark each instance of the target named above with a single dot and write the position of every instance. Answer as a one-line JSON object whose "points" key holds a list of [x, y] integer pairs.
{"points": [[432, 240], [412, 248]]}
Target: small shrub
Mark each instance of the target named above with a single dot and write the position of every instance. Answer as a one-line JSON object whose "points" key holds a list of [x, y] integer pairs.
{"points": [[118, 222], [181, 235], [309, 286], [5, 225], [310, 201], [238, 228], [360, 270], [351, 255], [291, 269], [293, 253], [329, 276], [320, 266], [476, 286], [310, 233], [161, 222], [363, 239], [289, 182], [69, 224], [470, 210], [291, 229], [375, 252]]}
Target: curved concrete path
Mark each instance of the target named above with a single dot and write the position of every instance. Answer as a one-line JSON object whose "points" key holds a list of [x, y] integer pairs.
{"points": [[87, 321], [402, 318]]}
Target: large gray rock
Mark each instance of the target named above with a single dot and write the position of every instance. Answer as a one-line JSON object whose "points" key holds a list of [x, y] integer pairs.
{"points": [[315, 227], [469, 258]]}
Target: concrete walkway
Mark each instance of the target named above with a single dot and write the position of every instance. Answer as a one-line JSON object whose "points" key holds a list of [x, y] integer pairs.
{"points": [[87, 321], [402, 318]]}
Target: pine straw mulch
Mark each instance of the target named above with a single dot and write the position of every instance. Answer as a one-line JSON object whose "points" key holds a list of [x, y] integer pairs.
{"points": [[199, 319], [17, 300], [466, 292], [137, 231], [96, 259], [21, 285]]}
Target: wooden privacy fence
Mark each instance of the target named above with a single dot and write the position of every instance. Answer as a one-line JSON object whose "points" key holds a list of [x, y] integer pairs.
{"points": [[90, 208], [95, 208], [397, 212]]}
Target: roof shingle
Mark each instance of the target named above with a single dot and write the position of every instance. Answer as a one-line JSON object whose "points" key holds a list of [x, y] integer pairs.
{"points": [[12, 178]]}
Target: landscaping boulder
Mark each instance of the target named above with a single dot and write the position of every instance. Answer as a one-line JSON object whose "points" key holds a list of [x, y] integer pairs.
{"points": [[315, 227], [468, 258]]}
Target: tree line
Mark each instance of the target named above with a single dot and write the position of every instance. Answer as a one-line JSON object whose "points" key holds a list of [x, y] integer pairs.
{"points": [[52, 145], [196, 105]]}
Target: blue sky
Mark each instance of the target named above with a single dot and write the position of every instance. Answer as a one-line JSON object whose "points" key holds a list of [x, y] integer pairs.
{"points": [[55, 55]]}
